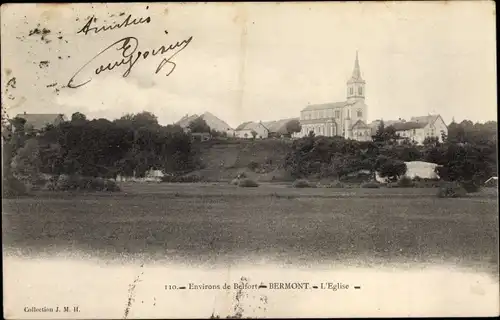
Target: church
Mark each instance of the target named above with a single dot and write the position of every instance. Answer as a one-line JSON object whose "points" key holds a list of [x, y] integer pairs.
{"points": [[345, 118]]}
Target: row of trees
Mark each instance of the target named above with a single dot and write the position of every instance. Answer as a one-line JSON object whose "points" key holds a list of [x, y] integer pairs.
{"points": [[135, 143], [128, 146], [468, 153]]}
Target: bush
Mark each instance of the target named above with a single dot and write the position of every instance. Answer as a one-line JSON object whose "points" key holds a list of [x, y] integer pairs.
{"points": [[451, 190], [371, 185], [470, 186], [110, 185], [74, 182], [247, 183], [427, 183], [391, 169], [253, 165], [301, 184], [181, 179], [405, 182], [241, 175], [336, 184], [11, 187]]}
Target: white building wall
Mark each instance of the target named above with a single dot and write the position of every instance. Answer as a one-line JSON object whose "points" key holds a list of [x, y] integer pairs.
{"points": [[262, 133]]}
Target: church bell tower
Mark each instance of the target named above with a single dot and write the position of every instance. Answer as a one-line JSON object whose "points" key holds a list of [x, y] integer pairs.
{"points": [[356, 85]]}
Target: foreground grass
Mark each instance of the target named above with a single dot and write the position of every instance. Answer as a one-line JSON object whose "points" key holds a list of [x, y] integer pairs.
{"points": [[208, 223]]}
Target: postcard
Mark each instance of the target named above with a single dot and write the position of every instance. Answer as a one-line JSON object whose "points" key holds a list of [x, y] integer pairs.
{"points": [[249, 160]]}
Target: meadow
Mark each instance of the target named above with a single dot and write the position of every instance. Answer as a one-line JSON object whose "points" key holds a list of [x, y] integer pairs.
{"points": [[212, 223]]}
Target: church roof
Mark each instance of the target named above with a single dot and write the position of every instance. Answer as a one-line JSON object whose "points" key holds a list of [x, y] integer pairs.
{"points": [[330, 105], [360, 124]]}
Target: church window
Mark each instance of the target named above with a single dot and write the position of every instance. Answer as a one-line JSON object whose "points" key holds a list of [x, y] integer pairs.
{"points": [[360, 90], [351, 91], [337, 114], [360, 113]]}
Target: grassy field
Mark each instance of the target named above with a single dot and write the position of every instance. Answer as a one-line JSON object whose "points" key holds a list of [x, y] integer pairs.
{"points": [[200, 223]]}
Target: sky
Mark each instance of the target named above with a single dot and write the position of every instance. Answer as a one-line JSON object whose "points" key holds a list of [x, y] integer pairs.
{"points": [[254, 61]]}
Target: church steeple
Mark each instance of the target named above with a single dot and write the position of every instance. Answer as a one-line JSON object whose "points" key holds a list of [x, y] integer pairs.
{"points": [[356, 85], [356, 72]]}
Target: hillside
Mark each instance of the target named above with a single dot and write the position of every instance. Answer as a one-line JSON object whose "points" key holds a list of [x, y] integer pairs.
{"points": [[225, 159]]}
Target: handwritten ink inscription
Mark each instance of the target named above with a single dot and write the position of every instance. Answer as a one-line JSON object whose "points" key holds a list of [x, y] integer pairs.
{"points": [[129, 54], [125, 23]]}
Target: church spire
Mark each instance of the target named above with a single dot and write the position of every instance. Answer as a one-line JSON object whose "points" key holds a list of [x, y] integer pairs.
{"points": [[356, 85], [356, 73]]}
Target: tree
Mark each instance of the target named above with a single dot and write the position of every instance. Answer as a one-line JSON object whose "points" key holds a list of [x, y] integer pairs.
{"points": [[379, 134], [145, 119], [293, 126], [26, 164], [385, 134], [215, 133], [431, 142], [78, 117], [391, 169], [390, 134], [199, 125], [254, 134], [139, 120]]}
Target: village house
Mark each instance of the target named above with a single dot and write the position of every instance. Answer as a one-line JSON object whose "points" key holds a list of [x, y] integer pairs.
{"points": [[419, 128], [246, 129]]}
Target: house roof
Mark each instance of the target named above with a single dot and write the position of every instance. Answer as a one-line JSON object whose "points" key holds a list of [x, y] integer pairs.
{"points": [[215, 123], [250, 125], [40, 120], [278, 126], [425, 119], [212, 121], [414, 123], [186, 120], [243, 126], [401, 126]]}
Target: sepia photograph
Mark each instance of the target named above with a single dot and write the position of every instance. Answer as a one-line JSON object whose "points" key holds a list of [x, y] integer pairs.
{"points": [[249, 160]]}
